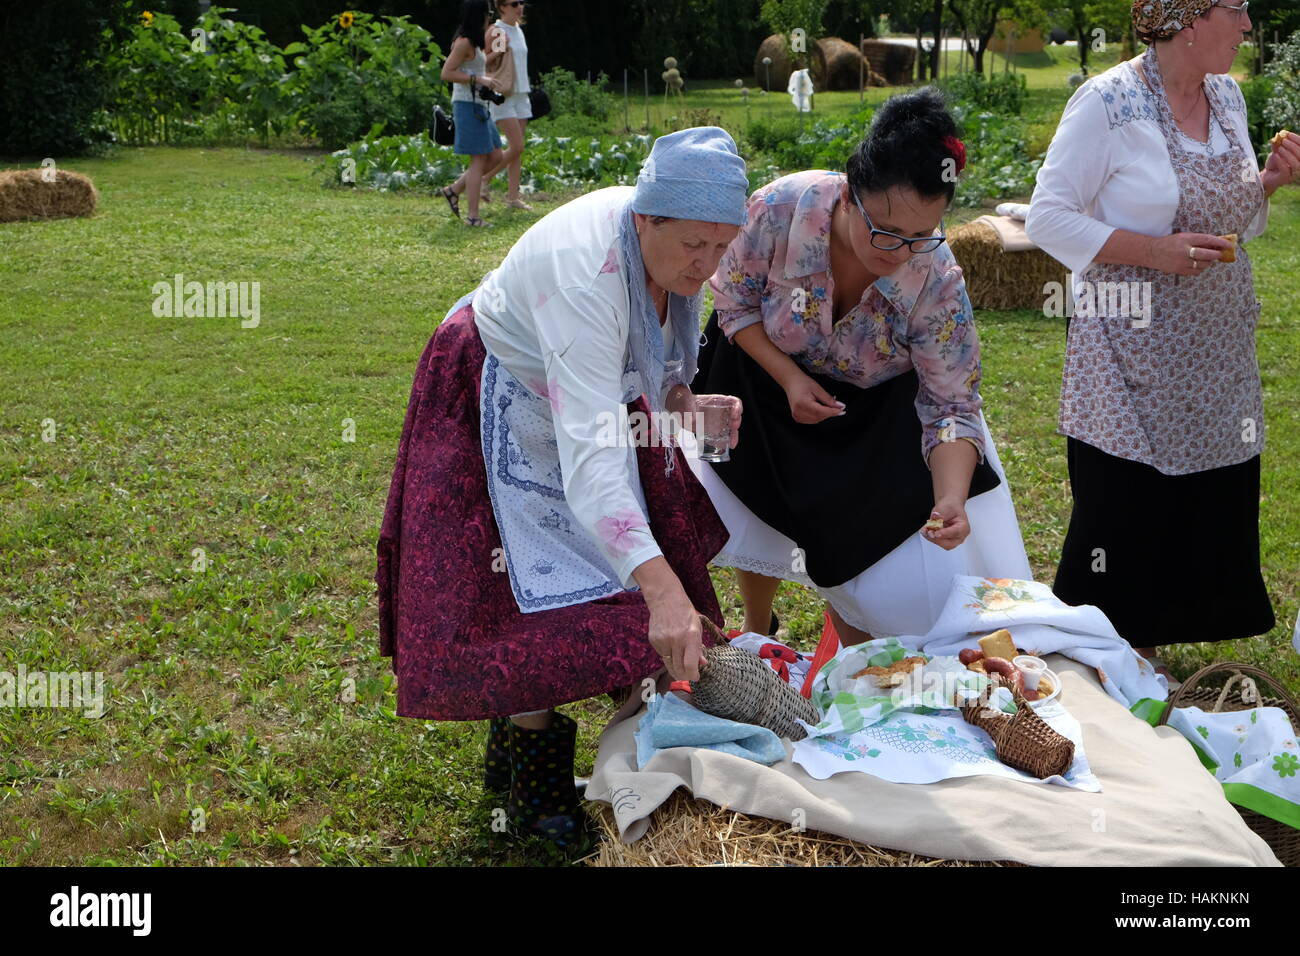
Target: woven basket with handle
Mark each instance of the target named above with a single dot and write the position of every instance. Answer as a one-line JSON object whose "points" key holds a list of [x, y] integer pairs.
{"points": [[737, 685], [1282, 839], [1023, 740]]}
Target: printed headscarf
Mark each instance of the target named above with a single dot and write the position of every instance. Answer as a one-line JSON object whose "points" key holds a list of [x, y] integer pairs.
{"points": [[1158, 19]]}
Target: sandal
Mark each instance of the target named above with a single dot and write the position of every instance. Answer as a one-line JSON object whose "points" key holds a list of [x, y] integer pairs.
{"points": [[452, 200], [518, 204], [476, 221]]}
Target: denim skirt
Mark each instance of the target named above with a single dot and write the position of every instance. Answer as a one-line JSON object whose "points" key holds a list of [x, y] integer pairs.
{"points": [[476, 134]]}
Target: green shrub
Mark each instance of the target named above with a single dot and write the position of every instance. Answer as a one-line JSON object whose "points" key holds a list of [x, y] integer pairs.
{"points": [[571, 96], [1000, 93]]}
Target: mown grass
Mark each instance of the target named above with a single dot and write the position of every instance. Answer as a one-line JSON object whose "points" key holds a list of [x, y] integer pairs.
{"points": [[226, 686]]}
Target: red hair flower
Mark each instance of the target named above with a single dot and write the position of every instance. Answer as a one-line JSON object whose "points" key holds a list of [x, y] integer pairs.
{"points": [[958, 150]]}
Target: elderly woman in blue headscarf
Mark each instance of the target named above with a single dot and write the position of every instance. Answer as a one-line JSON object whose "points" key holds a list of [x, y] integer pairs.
{"points": [[536, 549]]}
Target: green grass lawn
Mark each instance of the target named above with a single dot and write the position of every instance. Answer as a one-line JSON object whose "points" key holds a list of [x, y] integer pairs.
{"points": [[177, 434]]}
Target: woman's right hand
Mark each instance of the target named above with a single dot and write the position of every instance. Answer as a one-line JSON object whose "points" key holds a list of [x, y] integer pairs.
{"points": [[1169, 253], [809, 402], [675, 634]]}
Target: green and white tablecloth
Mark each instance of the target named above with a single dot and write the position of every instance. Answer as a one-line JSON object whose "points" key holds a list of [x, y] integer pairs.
{"points": [[1253, 753]]}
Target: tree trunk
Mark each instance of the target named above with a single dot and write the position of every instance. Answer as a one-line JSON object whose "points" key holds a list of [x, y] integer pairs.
{"points": [[937, 52], [920, 55]]}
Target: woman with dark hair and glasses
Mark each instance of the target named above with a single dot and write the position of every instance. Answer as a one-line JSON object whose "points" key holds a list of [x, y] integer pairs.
{"points": [[842, 322]]}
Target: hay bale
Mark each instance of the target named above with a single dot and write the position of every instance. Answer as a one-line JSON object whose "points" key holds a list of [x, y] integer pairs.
{"points": [[781, 68], [25, 195], [845, 65], [997, 279], [686, 831], [896, 62]]}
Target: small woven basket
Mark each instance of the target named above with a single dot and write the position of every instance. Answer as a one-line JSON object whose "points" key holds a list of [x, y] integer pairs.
{"points": [[737, 685], [1023, 739], [1283, 840]]}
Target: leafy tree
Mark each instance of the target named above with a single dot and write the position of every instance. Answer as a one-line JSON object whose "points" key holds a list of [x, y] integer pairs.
{"points": [[786, 16]]}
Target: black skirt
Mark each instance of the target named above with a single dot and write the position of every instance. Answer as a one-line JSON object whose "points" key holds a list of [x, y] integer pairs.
{"points": [[1170, 559], [847, 490]]}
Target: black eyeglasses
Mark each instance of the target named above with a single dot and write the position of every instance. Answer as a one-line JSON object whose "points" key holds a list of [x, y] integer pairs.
{"points": [[513, 3], [923, 244]]}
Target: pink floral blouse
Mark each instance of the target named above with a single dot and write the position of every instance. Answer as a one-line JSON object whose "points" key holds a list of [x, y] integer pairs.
{"points": [[777, 271]]}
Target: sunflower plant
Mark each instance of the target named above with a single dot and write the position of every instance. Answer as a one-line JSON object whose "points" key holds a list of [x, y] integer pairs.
{"points": [[359, 70]]}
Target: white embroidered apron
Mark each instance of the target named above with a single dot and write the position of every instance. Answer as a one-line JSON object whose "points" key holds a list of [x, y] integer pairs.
{"points": [[551, 560]]}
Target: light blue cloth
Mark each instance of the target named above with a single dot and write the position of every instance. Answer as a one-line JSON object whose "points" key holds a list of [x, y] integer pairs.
{"points": [[695, 173], [670, 721]]}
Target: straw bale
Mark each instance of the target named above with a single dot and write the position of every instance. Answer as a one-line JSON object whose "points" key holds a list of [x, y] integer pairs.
{"points": [[25, 195], [997, 279]]}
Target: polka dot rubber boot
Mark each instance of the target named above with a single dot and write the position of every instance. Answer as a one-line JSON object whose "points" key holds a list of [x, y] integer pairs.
{"points": [[496, 757], [543, 799]]}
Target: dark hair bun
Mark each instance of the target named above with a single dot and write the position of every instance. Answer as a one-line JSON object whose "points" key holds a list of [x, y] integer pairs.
{"points": [[905, 146]]}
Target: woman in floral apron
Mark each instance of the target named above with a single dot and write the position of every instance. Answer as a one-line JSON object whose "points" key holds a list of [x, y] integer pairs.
{"points": [[1161, 403]]}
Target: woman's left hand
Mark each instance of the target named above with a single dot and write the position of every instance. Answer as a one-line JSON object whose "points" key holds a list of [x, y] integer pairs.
{"points": [[1283, 166], [955, 526]]}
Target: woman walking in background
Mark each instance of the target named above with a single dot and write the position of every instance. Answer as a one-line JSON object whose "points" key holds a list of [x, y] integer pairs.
{"points": [[513, 115], [476, 137]]}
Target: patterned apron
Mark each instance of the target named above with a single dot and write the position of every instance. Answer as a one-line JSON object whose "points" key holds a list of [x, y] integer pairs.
{"points": [[1176, 386]]}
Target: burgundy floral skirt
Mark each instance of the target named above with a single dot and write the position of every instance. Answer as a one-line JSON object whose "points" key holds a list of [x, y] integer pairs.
{"points": [[461, 648]]}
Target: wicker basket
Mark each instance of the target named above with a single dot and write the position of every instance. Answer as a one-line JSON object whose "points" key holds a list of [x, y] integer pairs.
{"points": [[737, 685], [1023, 739], [1284, 840]]}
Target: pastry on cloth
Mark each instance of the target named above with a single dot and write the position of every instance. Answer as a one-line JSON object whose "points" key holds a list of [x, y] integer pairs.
{"points": [[999, 644], [1229, 255], [893, 675]]}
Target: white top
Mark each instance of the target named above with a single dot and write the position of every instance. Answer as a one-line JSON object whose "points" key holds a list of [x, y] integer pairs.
{"points": [[556, 314], [1108, 167], [519, 49], [476, 65]]}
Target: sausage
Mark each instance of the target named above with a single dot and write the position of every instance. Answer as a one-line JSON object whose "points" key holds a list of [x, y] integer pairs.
{"points": [[970, 655], [1000, 665]]}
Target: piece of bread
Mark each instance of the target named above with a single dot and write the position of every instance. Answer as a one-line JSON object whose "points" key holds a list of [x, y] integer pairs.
{"points": [[999, 644], [977, 666], [1229, 255], [893, 675], [934, 524], [1276, 141]]}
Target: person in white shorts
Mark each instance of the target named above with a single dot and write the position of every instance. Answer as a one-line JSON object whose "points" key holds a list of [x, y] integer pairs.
{"points": [[513, 115]]}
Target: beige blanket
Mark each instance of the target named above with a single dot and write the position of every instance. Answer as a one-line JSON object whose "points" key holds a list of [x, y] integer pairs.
{"points": [[1158, 805]]}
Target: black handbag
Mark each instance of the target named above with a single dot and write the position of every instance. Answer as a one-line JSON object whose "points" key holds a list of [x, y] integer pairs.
{"points": [[444, 128], [538, 102]]}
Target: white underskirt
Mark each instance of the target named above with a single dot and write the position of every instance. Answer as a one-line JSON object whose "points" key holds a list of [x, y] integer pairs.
{"points": [[905, 591]]}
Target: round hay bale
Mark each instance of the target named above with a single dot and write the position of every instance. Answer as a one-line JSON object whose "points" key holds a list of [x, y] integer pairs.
{"points": [[997, 279], [845, 65], [25, 195], [896, 62], [781, 68], [686, 831]]}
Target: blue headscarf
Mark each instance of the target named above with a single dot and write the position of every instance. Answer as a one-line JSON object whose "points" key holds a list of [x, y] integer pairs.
{"points": [[691, 174]]}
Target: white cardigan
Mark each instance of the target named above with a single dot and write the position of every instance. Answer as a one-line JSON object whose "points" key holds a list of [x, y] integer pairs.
{"points": [[1108, 167]]}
